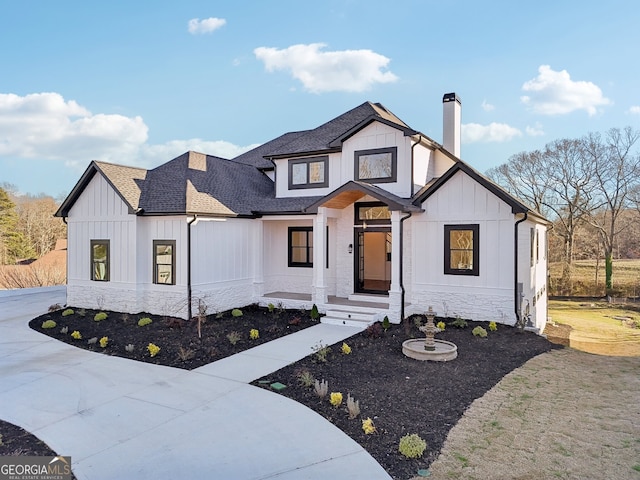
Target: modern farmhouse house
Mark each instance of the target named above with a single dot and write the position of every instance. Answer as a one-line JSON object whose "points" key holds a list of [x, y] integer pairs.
{"points": [[362, 216]]}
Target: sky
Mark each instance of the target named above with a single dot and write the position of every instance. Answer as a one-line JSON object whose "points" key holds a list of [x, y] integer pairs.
{"points": [[141, 82]]}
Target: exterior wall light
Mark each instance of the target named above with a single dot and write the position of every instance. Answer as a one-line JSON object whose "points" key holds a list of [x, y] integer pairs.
{"points": [[350, 249]]}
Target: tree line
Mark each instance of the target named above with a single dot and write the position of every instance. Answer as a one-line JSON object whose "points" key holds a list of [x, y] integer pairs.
{"points": [[28, 229], [589, 188]]}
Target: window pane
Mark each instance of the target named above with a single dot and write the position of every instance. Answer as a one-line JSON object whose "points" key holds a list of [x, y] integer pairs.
{"points": [[99, 270], [100, 253], [462, 259], [164, 274], [461, 239], [374, 213], [375, 165], [298, 239], [299, 173], [299, 254], [316, 172], [164, 254]]}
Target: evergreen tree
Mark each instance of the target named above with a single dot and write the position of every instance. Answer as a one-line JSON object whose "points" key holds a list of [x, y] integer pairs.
{"points": [[13, 246]]}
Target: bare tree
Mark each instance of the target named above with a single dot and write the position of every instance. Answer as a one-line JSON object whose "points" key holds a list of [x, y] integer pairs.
{"points": [[616, 171]]}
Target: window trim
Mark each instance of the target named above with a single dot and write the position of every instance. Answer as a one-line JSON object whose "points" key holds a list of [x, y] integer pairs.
{"points": [[297, 161], [475, 271], [291, 263], [157, 243], [92, 262], [394, 164]]}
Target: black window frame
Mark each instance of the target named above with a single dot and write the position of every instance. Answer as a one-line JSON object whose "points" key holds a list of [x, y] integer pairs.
{"points": [[107, 274], [156, 244], [394, 164], [309, 232], [297, 161], [371, 221], [475, 229]]}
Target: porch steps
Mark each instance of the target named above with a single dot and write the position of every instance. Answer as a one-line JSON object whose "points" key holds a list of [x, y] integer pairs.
{"points": [[349, 318]]}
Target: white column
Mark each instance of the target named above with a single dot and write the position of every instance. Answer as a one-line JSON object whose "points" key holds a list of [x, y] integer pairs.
{"points": [[319, 286], [258, 260], [395, 292]]}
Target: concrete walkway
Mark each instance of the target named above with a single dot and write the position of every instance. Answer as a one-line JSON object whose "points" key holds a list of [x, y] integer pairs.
{"points": [[122, 419]]}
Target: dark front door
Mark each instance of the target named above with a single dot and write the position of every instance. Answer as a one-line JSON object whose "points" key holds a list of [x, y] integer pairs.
{"points": [[373, 260]]}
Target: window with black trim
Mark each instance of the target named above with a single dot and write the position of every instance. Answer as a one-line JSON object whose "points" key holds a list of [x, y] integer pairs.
{"points": [[164, 262], [309, 173], [301, 246], [100, 260], [461, 249], [378, 165]]}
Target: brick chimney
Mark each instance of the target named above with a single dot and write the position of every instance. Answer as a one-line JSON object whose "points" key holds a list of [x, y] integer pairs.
{"points": [[451, 123]]}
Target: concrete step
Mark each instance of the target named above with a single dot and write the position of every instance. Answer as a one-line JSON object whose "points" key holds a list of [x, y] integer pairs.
{"points": [[369, 298], [349, 318]]}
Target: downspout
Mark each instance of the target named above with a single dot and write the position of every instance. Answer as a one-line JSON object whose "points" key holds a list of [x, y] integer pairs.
{"points": [[189, 294], [515, 270], [412, 164], [402, 290]]}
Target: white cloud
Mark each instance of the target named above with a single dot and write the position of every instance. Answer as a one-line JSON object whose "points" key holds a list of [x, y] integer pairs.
{"points": [[635, 110], [46, 126], [494, 132], [322, 71], [487, 107], [554, 93], [206, 25], [535, 131]]}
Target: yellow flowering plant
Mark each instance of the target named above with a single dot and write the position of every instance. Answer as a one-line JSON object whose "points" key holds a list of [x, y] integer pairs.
{"points": [[254, 334], [76, 334], [493, 326], [441, 325], [335, 399], [153, 349], [368, 427], [346, 349], [104, 341]]}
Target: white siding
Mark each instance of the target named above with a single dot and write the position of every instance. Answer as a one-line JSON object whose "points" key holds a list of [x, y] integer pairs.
{"points": [[486, 297]]}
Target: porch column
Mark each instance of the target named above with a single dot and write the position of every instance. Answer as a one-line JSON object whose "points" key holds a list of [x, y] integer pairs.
{"points": [[395, 292], [258, 260], [319, 286]]}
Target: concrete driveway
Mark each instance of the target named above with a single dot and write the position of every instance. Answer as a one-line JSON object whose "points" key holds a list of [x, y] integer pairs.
{"points": [[123, 419]]}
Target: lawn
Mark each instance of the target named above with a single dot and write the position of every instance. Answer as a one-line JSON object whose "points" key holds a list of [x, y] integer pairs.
{"points": [[626, 277], [598, 327]]}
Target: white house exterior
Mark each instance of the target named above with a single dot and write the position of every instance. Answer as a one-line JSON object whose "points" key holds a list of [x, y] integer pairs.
{"points": [[362, 216]]}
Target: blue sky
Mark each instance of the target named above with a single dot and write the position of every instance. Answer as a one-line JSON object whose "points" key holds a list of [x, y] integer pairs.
{"points": [[139, 83]]}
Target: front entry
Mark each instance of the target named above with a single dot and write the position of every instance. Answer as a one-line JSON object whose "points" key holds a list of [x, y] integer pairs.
{"points": [[373, 261]]}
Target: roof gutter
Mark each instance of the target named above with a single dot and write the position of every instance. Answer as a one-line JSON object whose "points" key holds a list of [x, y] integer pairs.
{"points": [[189, 290], [402, 290], [516, 293]]}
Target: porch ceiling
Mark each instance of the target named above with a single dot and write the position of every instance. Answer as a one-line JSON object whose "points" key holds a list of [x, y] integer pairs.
{"points": [[344, 199]]}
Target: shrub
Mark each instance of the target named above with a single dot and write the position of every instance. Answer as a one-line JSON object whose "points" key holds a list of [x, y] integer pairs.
{"points": [[385, 323], [315, 314], [295, 321], [185, 354], [144, 321], [254, 334], [321, 352], [153, 349], [234, 337], [76, 335], [374, 330], [493, 326], [412, 446], [335, 399], [305, 378], [459, 322], [64, 330], [104, 341], [236, 312], [271, 307], [479, 332], [67, 312], [441, 325], [49, 324], [321, 388], [82, 312], [92, 341], [100, 316], [368, 427], [346, 349], [129, 348], [353, 406]]}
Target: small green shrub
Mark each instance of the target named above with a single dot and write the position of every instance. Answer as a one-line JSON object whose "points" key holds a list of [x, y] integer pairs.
{"points": [[479, 332], [49, 324], [100, 316], [412, 446], [493, 326], [67, 312], [315, 314], [459, 322], [321, 352], [144, 321], [271, 307], [236, 312], [306, 378], [234, 337], [385, 323]]}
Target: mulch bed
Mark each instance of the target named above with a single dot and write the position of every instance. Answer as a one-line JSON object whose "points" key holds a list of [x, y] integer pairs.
{"points": [[180, 345], [405, 396]]}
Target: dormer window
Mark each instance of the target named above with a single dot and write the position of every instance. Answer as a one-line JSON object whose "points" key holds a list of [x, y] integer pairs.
{"points": [[379, 165], [309, 173]]}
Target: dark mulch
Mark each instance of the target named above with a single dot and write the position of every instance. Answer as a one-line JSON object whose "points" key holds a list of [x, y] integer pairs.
{"points": [[180, 345], [403, 395]]}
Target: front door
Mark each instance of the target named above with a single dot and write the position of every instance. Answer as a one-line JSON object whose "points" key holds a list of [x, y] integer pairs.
{"points": [[373, 261], [372, 239]]}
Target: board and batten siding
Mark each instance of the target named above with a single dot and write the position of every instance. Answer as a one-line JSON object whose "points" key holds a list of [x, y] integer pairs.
{"points": [[486, 297], [100, 214]]}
